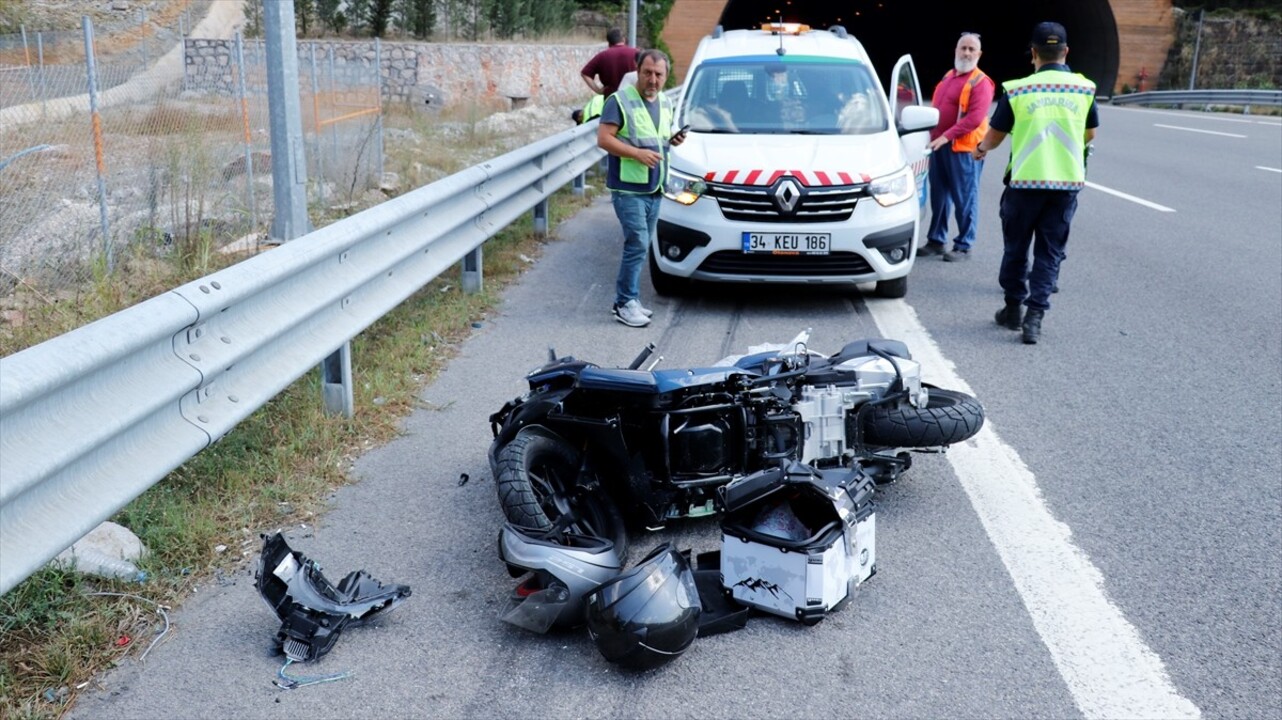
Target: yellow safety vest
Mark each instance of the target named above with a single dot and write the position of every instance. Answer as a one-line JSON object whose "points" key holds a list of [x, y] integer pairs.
{"points": [[638, 130], [1047, 141]]}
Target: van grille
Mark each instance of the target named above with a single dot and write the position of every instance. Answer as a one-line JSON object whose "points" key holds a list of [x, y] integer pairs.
{"points": [[757, 203], [733, 262]]}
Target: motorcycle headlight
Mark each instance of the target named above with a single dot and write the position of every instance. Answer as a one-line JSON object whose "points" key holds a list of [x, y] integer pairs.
{"points": [[894, 188], [683, 188]]}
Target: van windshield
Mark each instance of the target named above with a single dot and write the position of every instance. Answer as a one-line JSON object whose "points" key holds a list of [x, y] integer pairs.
{"points": [[764, 95]]}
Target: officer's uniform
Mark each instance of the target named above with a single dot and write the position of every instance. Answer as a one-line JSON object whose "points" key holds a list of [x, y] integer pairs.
{"points": [[1046, 115]]}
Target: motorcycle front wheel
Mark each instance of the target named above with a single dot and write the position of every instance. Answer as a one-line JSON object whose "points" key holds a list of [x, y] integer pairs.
{"points": [[949, 417], [538, 484]]}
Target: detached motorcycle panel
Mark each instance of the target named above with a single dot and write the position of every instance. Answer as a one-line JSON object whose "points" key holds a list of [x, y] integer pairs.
{"points": [[312, 611]]}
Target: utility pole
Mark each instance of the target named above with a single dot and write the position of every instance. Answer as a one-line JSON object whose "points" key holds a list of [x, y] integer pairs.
{"points": [[1197, 47], [632, 23], [289, 166], [289, 176]]}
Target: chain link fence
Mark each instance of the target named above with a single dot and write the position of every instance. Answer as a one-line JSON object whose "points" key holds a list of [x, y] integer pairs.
{"points": [[167, 160]]}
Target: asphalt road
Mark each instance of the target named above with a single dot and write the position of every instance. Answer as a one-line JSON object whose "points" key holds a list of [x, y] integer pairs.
{"points": [[1140, 438]]}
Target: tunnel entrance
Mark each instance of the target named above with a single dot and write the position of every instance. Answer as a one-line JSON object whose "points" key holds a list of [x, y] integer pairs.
{"points": [[929, 31]]}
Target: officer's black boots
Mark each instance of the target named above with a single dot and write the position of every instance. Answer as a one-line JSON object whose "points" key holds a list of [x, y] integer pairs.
{"points": [[1033, 326], [1009, 316]]}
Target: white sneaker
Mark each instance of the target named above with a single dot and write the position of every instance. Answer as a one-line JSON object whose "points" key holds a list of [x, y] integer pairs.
{"points": [[630, 314], [644, 310]]}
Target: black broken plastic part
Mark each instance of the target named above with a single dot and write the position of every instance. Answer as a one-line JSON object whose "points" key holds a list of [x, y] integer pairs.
{"points": [[720, 612], [313, 611]]}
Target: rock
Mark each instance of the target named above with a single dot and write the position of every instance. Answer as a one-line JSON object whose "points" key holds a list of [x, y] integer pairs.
{"points": [[109, 550]]}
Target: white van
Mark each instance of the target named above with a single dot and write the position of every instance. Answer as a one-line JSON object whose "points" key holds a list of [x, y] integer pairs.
{"points": [[797, 167]]}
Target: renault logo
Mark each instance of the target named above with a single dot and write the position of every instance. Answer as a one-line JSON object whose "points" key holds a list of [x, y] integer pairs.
{"points": [[787, 195]]}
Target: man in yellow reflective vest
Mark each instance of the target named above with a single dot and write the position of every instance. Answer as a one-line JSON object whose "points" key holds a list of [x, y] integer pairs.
{"points": [[1051, 117], [636, 130], [590, 111], [962, 98]]}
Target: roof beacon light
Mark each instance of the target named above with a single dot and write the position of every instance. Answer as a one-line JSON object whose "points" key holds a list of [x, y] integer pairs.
{"points": [[783, 28]]}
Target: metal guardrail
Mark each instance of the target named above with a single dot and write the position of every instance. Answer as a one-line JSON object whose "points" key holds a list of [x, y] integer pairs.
{"points": [[91, 419], [1201, 97]]}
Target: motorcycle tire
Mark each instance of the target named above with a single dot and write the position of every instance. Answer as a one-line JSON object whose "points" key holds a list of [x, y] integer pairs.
{"points": [[949, 417], [538, 483]]}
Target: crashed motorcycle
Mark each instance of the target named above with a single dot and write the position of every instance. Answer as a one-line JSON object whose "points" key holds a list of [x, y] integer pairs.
{"points": [[591, 450]]}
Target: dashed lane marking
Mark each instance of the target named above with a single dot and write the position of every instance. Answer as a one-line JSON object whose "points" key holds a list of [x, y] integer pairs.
{"points": [[1198, 130], [1132, 198]]}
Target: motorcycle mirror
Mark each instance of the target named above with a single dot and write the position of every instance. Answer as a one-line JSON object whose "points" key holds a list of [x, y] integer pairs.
{"points": [[642, 357], [551, 354]]}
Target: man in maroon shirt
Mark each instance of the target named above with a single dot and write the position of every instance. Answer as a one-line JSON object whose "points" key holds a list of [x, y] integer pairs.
{"points": [[963, 98], [610, 65]]}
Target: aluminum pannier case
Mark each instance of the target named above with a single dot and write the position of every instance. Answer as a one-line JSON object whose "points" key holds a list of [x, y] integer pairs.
{"points": [[796, 540]]}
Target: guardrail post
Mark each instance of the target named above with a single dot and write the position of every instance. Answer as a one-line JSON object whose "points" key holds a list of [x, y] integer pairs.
{"points": [[336, 381], [580, 184], [541, 218], [473, 278]]}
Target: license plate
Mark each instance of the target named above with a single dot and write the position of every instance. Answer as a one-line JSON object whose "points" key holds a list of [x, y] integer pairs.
{"points": [[787, 243]]}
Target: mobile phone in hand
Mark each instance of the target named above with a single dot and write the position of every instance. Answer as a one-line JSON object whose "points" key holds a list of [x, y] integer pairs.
{"points": [[684, 129]]}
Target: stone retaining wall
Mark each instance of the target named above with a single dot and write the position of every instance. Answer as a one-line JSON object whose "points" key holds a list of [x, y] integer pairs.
{"points": [[436, 73]]}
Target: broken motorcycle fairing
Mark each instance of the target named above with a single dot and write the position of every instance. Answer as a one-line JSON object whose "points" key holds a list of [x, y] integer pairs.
{"points": [[312, 611]]}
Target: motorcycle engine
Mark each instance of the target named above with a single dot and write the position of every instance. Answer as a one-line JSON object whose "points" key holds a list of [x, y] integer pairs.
{"points": [[824, 409]]}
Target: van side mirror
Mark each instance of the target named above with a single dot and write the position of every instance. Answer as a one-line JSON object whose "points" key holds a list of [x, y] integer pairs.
{"points": [[916, 118]]}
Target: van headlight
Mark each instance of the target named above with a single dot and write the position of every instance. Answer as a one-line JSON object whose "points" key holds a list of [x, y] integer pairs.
{"points": [[683, 188], [893, 188]]}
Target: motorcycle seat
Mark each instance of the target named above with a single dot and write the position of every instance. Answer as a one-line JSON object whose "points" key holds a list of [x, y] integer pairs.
{"points": [[860, 348], [650, 383]]}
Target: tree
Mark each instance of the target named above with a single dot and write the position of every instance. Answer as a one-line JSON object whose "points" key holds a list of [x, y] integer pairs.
{"points": [[416, 17], [359, 14], [380, 17], [509, 18], [424, 18], [253, 18], [329, 12], [304, 15], [551, 15]]}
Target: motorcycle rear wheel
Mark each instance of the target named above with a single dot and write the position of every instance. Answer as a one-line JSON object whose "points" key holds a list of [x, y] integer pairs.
{"points": [[538, 483], [949, 417]]}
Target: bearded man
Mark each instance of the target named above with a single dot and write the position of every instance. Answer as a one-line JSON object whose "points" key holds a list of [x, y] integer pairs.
{"points": [[963, 97]]}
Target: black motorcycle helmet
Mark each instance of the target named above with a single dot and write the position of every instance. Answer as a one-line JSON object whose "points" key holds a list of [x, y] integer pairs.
{"points": [[648, 615]]}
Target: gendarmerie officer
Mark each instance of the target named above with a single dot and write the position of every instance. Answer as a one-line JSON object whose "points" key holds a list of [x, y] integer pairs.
{"points": [[1050, 116]]}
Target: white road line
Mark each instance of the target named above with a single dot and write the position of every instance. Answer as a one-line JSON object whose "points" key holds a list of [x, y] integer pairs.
{"points": [[1194, 115], [1106, 665], [1196, 130], [1132, 198], [1261, 167]]}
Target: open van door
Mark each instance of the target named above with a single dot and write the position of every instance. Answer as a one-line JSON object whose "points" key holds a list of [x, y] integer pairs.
{"points": [[913, 120]]}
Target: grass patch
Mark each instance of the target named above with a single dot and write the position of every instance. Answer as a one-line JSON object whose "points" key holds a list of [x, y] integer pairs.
{"points": [[274, 469]]}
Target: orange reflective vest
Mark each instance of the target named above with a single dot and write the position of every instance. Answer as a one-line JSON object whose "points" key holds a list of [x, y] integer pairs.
{"points": [[970, 140]]}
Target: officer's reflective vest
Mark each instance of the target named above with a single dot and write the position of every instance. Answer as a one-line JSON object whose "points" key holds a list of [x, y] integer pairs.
{"points": [[638, 130], [1050, 110], [593, 107], [970, 140]]}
